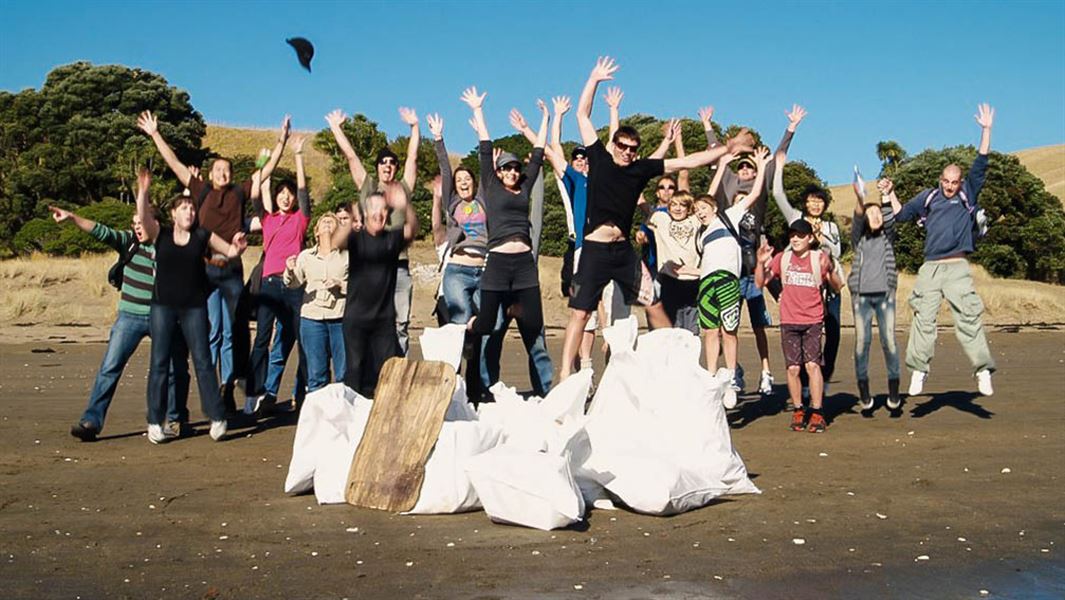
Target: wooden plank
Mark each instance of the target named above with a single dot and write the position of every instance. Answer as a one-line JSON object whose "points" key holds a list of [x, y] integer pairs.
{"points": [[408, 412]]}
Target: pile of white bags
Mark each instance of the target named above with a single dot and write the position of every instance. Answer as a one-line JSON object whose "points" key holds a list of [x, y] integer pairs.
{"points": [[655, 437]]}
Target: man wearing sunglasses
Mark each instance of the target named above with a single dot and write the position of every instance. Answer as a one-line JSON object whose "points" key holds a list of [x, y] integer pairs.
{"points": [[615, 182], [387, 169]]}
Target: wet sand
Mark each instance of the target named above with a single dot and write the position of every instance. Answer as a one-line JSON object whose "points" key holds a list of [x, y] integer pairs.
{"points": [[121, 518]]}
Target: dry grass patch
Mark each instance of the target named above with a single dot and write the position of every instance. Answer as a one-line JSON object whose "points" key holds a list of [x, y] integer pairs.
{"points": [[231, 141]]}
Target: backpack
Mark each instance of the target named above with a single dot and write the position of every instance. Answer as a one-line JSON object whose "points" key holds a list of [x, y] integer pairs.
{"points": [[748, 254], [980, 224], [117, 271]]}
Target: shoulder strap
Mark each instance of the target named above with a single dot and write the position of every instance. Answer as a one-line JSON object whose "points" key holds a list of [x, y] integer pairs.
{"points": [[815, 265], [731, 228], [785, 262]]}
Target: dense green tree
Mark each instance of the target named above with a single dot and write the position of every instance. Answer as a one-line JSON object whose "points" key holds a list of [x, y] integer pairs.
{"points": [[1027, 233], [891, 155], [76, 139]]}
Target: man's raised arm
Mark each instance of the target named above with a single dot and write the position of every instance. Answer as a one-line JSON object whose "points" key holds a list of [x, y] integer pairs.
{"points": [[741, 142], [150, 125], [410, 166], [604, 70], [358, 172], [613, 98]]}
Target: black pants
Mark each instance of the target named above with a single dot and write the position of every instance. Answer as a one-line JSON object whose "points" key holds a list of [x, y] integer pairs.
{"points": [[525, 306], [367, 347]]}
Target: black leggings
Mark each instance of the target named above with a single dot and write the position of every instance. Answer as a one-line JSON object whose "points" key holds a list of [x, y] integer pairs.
{"points": [[367, 346], [526, 308]]}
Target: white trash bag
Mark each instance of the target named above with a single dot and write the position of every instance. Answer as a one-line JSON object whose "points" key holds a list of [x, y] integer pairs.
{"points": [[447, 487], [443, 344], [532, 489], [331, 424]]}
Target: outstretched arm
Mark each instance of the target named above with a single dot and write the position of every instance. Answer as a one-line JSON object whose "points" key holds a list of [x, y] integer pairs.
{"points": [[779, 196], [985, 117], [604, 70], [279, 148], [150, 125], [517, 121], [741, 142], [761, 156], [557, 156], [435, 217], [669, 130], [410, 167], [795, 116], [447, 180], [476, 103], [683, 182], [887, 192], [613, 100], [231, 249], [144, 205], [60, 215], [302, 195], [358, 172], [722, 167], [765, 254]]}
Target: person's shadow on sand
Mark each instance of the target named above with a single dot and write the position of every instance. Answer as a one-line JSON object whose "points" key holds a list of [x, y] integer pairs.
{"points": [[956, 399]]}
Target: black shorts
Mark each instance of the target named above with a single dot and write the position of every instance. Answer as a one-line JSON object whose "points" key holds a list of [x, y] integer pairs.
{"points": [[509, 272], [603, 262]]}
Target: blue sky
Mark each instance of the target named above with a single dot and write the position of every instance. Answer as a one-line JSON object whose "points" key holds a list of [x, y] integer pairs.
{"points": [[866, 71]]}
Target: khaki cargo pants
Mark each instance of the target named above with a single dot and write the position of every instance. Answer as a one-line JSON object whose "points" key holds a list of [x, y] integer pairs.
{"points": [[952, 280]]}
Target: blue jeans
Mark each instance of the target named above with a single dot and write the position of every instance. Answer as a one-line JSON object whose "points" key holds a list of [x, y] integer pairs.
{"points": [[167, 324], [756, 309], [884, 307], [833, 307], [281, 305], [462, 296], [403, 298], [126, 335], [226, 284], [322, 341]]}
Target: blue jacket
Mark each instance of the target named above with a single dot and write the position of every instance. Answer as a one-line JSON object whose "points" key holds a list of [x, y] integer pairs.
{"points": [[948, 221]]}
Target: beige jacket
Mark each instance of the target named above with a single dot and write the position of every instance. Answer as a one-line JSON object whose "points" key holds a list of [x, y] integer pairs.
{"points": [[325, 282]]}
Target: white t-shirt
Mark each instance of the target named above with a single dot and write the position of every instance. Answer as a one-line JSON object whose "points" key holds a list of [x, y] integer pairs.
{"points": [[721, 251], [675, 240]]}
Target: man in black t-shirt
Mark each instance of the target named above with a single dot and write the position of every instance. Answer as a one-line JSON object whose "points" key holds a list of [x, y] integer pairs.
{"points": [[616, 178], [370, 312]]}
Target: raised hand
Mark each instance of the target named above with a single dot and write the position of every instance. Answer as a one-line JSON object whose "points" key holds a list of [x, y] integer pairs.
{"points": [[59, 215], [765, 252], [741, 142], [671, 130], [562, 105], [795, 116], [436, 125], [613, 97], [473, 124], [194, 172], [408, 115], [985, 115], [336, 118], [885, 186], [297, 144], [705, 114], [761, 156], [604, 69], [472, 98], [542, 106], [286, 128], [517, 120], [496, 153], [240, 241], [148, 123], [144, 181]]}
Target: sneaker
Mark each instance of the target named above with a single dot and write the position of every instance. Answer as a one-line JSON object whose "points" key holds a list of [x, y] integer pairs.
{"points": [[817, 423], [85, 431], [729, 399], [798, 419], [155, 434], [983, 382], [765, 386], [218, 430], [172, 430], [917, 379], [865, 399]]}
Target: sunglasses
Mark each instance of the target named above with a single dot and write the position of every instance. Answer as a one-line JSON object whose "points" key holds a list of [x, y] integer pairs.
{"points": [[388, 161], [665, 188], [630, 148], [580, 157], [510, 167]]}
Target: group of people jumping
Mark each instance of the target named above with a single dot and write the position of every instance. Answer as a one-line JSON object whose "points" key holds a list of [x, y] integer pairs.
{"points": [[345, 302]]}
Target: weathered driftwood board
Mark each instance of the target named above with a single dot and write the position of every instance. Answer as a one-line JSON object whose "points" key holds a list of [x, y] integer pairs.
{"points": [[408, 412]]}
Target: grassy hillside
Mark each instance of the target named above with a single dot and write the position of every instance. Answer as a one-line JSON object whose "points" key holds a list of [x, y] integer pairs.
{"points": [[231, 141], [1046, 163]]}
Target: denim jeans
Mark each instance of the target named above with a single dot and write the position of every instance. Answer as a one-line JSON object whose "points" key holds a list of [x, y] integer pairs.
{"points": [[756, 309], [322, 341], [402, 298], [126, 335], [833, 306], [167, 324], [226, 284], [884, 307], [462, 296], [281, 305]]}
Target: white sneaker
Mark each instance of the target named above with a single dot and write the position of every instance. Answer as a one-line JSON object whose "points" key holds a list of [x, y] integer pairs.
{"points": [[917, 379], [726, 376], [765, 386], [218, 430], [983, 382], [155, 434]]}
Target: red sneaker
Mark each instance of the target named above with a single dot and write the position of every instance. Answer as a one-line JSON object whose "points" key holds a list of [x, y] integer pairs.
{"points": [[817, 423], [798, 420]]}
